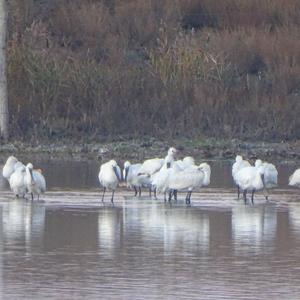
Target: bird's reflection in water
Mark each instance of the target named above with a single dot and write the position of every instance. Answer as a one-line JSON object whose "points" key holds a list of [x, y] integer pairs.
{"points": [[253, 225], [23, 221]]}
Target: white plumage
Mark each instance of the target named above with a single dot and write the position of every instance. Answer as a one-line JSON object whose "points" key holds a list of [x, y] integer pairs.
{"points": [[270, 175], [109, 177], [250, 178], [294, 179], [187, 162], [148, 168], [159, 179], [17, 182], [11, 165], [130, 175], [151, 166], [35, 181], [207, 172], [239, 164], [189, 179]]}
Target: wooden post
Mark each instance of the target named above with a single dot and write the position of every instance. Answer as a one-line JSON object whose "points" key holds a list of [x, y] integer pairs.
{"points": [[3, 80]]}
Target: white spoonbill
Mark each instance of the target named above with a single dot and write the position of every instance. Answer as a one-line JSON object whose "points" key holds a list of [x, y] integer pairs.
{"points": [[180, 165], [159, 179], [151, 166], [17, 182], [239, 164], [35, 181], [109, 177], [187, 180], [148, 168], [270, 175], [205, 167], [10, 166], [250, 178], [294, 179], [130, 175]]}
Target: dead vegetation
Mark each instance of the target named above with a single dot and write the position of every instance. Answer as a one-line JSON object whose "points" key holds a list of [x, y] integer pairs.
{"points": [[226, 68]]}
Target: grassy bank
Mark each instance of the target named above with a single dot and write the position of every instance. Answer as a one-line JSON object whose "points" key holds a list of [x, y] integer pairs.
{"points": [[140, 149], [228, 69]]}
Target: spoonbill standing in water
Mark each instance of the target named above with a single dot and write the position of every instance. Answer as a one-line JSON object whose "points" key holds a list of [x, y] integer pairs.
{"points": [[250, 178], [239, 164], [35, 181], [159, 179], [188, 180], [17, 182], [270, 175], [152, 166], [130, 175], [109, 177], [294, 179]]}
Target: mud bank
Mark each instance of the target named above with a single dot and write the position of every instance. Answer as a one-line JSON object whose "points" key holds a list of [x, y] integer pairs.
{"points": [[145, 148]]}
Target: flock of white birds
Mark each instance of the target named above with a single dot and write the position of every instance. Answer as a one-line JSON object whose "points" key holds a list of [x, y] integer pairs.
{"points": [[160, 175], [168, 176], [23, 179]]}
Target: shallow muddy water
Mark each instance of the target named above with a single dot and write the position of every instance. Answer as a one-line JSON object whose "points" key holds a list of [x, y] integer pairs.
{"points": [[84, 174], [70, 246]]}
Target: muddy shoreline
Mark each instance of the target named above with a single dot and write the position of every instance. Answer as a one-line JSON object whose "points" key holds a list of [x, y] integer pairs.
{"points": [[137, 150]]}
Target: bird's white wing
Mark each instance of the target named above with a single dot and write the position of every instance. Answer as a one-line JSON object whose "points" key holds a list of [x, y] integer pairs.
{"points": [[39, 180], [270, 175], [151, 166]]}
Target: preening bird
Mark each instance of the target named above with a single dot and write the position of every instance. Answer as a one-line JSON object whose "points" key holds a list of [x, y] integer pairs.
{"points": [[35, 181], [17, 182], [152, 166], [270, 175], [205, 167], [109, 177], [250, 179], [188, 180], [159, 179], [130, 175], [239, 164]]}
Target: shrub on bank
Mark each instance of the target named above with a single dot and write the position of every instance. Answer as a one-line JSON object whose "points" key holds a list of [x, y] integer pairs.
{"points": [[163, 68]]}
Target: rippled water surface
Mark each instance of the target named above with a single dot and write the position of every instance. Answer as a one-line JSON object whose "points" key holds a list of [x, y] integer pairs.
{"points": [[70, 246]]}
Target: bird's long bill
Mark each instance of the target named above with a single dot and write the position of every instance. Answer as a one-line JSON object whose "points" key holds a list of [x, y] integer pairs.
{"points": [[117, 174], [126, 173]]}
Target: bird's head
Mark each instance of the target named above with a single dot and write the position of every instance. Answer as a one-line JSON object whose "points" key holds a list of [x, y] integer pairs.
{"points": [[29, 166], [238, 158], [126, 168], [172, 151], [258, 163]]}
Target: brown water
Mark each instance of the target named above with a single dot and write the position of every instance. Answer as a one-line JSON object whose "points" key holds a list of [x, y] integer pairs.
{"points": [[70, 246], [84, 174]]}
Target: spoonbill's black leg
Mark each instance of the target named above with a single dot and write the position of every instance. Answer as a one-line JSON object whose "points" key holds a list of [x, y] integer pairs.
{"points": [[103, 194]]}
